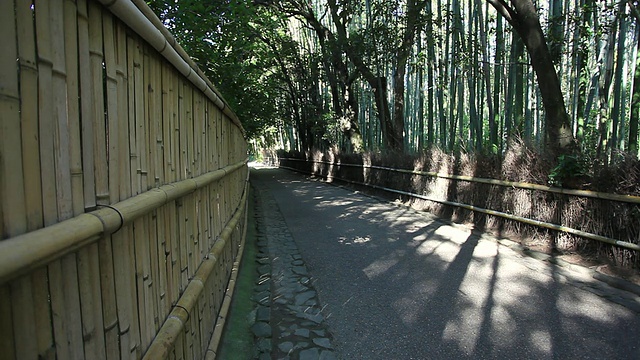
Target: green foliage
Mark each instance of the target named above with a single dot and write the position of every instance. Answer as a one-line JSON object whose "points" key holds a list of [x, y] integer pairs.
{"points": [[222, 38], [569, 167]]}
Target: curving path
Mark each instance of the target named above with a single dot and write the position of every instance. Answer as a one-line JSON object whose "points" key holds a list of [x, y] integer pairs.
{"points": [[394, 283]]}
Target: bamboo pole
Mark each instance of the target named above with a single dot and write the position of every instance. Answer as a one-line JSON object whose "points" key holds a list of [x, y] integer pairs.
{"points": [[73, 105], [133, 144], [88, 257], [35, 301], [158, 93], [120, 253], [61, 119], [151, 280], [17, 310], [101, 174], [156, 173], [12, 210], [91, 302], [84, 70], [73, 155], [96, 141], [175, 322], [7, 337], [29, 114], [24, 325], [45, 111]]}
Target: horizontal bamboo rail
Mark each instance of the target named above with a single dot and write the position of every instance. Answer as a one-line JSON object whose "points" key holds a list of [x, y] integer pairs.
{"points": [[556, 227], [521, 185], [24, 253]]}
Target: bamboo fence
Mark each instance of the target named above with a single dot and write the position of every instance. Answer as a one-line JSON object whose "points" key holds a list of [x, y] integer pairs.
{"points": [[122, 186]]}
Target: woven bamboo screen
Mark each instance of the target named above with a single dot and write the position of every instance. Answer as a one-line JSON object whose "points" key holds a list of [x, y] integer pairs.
{"points": [[122, 187]]}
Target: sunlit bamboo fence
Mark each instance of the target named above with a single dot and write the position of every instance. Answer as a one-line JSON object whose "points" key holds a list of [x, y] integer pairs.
{"points": [[361, 174], [122, 186]]}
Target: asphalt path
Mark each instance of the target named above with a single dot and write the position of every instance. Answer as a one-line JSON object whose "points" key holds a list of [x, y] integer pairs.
{"points": [[400, 284]]}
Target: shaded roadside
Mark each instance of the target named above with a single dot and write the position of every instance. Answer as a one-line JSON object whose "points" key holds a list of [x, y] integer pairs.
{"points": [[237, 340]]}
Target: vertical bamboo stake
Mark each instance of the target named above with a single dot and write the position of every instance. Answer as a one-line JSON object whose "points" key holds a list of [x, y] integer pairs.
{"points": [[101, 179], [157, 119], [126, 181], [178, 109], [150, 106], [141, 123], [180, 350], [121, 259], [73, 113], [111, 105], [174, 215], [188, 339], [156, 104], [197, 132], [63, 280], [156, 246], [29, 114], [47, 171], [163, 275], [7, 340], [12, 211], [61, 130], [24, 327], [168, 209], [153, 280], [84, 70], [181, 244], [167, 115], [97, 100], [187, 133], [116, 176], [134, 156], [45, 110], [75, 166], [173, 127], [142, 280], [89, 281], [42, 311], [22, 299]]}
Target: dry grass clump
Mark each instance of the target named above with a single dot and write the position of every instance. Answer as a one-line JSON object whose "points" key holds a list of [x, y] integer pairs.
{"points": [[520, 164]]}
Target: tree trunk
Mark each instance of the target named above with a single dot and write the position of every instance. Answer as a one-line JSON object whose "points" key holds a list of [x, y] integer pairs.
{"points": [[524, 19], [619, 92], [498, 74], [635, 99], [493, 133]]}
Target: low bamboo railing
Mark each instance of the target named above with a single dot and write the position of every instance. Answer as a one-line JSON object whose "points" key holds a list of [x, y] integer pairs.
{"points": [[122, 186], [510, 184]]}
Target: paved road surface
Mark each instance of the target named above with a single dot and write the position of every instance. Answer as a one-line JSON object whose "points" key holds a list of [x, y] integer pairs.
{"points": [[399, 284]]}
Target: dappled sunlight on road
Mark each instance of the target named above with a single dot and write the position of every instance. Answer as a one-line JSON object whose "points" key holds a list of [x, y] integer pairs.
{"points": [[452, 290]]}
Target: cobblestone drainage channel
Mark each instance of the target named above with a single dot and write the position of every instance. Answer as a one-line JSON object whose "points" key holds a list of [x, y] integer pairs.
{"points": [[289, 320]]}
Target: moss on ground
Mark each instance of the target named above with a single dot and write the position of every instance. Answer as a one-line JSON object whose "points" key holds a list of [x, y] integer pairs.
{"points": [[237, 339]]}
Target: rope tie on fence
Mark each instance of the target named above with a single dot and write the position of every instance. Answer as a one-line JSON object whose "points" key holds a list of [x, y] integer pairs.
{"points": [[104, 223]]}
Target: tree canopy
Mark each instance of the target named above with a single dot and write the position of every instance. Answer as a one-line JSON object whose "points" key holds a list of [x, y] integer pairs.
{"points": [[405, 75]]}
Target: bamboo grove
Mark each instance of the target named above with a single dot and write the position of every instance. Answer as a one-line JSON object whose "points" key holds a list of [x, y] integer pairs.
{"points": [[406, 75]]}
